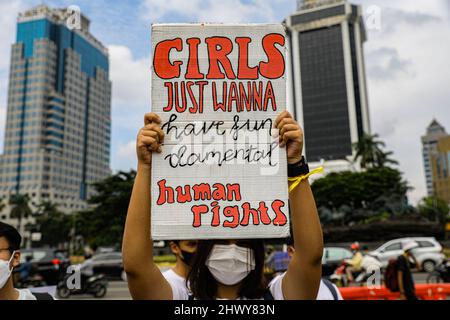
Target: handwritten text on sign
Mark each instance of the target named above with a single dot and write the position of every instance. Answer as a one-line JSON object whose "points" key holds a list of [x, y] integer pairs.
{"points": [[218, 90]]}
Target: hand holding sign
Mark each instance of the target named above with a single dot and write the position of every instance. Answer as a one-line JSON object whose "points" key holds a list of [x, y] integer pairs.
{"points": [[149, 139], [291, 136]]}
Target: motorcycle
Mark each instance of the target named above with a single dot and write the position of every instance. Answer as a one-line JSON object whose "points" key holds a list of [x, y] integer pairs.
{"points": [[441, 273], [89, 284], [340, 279]]}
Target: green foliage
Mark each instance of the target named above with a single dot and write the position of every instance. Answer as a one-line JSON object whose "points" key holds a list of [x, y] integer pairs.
{"points": [[19, 208], [369, 151], [52, 224], [103, 224], [434, 209], [349, 197]]}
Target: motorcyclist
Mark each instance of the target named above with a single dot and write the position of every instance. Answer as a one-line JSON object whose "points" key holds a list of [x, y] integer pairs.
{"points": [[354, 264]]}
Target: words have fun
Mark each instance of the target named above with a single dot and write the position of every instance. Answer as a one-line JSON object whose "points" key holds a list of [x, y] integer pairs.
{"points": [[233, 88]]}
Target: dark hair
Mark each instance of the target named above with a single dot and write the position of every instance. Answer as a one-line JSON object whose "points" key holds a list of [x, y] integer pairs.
{"points": [[11, 235], [204, 286]]}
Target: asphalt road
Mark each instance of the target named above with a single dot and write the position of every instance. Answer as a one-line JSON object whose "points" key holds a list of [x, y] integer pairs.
{"points": [[118, 290]]}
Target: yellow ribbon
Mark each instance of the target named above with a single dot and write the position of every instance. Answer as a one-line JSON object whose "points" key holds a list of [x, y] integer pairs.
{"points": [[297, 180]]}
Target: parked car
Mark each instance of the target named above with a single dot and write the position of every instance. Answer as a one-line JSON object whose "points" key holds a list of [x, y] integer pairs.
{"points": [[429, 253], [110, 264], [332, 258], [50, 264]]}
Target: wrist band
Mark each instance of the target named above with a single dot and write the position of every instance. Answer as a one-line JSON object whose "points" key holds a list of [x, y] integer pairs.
{"points": [[299, 179]]}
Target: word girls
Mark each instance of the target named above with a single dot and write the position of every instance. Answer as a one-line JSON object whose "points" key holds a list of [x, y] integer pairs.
{"points": [[249, 92]]}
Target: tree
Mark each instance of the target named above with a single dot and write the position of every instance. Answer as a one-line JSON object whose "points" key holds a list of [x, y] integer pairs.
{"points": [[434, 209], [353, 197], [103, 224], [52, 224], [369, 150], [20, 208], [2, 205]]}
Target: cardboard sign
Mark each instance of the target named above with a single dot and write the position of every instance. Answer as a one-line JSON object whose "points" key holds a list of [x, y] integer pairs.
{"points": [[218, 90]]}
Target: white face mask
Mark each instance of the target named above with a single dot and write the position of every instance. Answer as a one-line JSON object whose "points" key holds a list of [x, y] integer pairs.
{"points": [[5, 271], [230, 264]]}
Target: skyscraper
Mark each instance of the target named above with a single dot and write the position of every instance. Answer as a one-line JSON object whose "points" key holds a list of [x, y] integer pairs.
{"points": [[440, 162], [57, 138], [430, 152], [327, 87]]}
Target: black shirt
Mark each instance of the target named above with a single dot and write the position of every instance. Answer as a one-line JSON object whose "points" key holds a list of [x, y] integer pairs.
{"points": [[408, 282]]}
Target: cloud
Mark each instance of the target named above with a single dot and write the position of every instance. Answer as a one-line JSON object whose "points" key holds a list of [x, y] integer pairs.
{"points": [[385, 63], [131, 78], [214, 11], [125, 156]]}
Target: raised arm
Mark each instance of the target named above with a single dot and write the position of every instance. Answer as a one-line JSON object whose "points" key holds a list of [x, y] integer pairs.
{"points": [[302, 280], [145, 280]]}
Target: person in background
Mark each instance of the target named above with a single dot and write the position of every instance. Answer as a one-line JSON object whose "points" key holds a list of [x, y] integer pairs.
{"points": [[404, 276], [10, 240], [184, 251], [354, 264], [327, 289]]}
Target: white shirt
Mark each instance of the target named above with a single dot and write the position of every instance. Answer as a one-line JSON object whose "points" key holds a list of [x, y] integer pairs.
{"points": [[180, 292], [178, 284], [25, 294], [324, 292]]}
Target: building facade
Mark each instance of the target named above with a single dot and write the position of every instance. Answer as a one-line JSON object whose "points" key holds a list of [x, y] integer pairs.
{"points": [[430, 152], [441, 169], [327, 90], [58, 127]]}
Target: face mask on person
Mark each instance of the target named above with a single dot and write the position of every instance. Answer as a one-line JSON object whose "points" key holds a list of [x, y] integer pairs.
{"points": [[187, 257], [5, 271], [230, 264]]}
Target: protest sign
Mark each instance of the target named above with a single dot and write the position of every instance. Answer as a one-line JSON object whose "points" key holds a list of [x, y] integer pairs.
{"points": [[218, 90]]}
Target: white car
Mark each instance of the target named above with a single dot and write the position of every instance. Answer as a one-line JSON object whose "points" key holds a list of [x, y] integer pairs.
{"points": [[429, 253]]}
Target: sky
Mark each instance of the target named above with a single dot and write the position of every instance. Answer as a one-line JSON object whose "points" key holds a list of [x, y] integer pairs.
{"points": [[406, 54]]}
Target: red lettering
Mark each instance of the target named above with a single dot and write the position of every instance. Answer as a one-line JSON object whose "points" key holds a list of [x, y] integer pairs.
{"points": [[231, 212], [198, 211], [162, 193], [186, 197], [275, 66], [219, 192], [218, 50], [161, 60], [216, 215], [193, 69], [244, 71], [247, 212], [280, 219]]}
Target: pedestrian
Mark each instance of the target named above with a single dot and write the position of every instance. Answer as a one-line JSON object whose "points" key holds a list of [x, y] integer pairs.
{"points": [[327, 289], [226, 269], [184, 251], [10, 240], [404, 276]]}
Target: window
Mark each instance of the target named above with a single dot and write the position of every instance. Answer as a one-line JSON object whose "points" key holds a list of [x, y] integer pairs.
{"points": [[425, 244], [393, 247]]}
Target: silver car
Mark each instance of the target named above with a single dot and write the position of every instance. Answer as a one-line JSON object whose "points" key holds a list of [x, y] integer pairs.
{"points": [[429, 253]]}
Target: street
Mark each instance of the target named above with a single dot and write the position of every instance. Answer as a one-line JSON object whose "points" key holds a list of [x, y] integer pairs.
{"points": [[118, 290]]}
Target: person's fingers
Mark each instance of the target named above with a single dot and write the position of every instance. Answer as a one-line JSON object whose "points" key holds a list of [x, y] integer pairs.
{"points": [[151, 118], [285, 121], [287, 128], [281, 116], [150, 133], [291, 135], [150, 142], [155, 127]]}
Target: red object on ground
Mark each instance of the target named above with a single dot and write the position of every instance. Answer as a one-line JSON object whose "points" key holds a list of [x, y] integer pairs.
{"points": [[423, 292]]}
